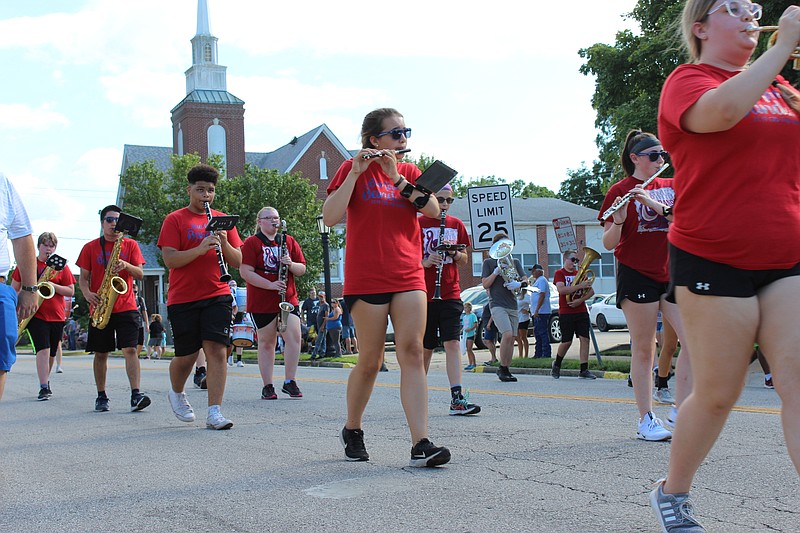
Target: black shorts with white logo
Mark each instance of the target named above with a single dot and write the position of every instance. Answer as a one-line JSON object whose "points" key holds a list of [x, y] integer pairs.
{"points": [[265, 319], [121, 332], [574, 324], [702, 276], [45, 335], [444, 319], [634, 286], [203, 320]]}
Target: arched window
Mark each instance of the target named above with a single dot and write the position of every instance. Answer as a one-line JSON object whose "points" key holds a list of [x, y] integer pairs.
{"points": [[217, 141], [207, 53], [323, 166]]}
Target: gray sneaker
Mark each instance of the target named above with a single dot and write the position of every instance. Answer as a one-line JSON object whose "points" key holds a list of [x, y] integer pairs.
{"points": [[215, 420], [663, 396], [675, 512]]}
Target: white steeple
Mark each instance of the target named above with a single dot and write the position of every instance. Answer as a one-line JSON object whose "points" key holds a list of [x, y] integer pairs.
{"points": [[205, 73]]}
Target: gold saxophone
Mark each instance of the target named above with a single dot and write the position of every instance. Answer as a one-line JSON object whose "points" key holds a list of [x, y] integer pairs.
{"points": [[44, 291], [110, 289]]}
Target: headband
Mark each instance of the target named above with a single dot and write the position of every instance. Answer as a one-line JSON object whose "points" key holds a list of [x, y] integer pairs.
{"points": [[644, 144]]}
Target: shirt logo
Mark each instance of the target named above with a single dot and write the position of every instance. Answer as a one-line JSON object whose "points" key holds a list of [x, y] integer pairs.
{"points": [[703, 286]]}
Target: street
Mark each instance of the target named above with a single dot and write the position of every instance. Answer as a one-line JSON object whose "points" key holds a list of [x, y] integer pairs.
{"points": [[544, 455]]}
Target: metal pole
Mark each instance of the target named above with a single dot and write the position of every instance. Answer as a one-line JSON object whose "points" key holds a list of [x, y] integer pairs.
{"points": [[596, 347], [326, 262]]}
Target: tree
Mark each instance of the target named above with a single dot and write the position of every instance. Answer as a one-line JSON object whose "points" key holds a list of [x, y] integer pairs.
{"points": [[583, 187], [629, 76]]}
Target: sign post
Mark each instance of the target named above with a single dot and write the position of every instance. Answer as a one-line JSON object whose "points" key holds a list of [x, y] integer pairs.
{"points": [[489, 214]]}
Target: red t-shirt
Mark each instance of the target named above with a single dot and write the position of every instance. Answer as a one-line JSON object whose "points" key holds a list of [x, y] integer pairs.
{"points": [[643, 244], [93, 259], [566, 278], [266, 261], [199, 280], [52, 309], [382, 250], [738, 191], [455, 232]]}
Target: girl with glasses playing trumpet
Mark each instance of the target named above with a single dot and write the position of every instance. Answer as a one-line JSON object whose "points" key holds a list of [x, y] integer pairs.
{"points": [[732, 127], [384, 276]]}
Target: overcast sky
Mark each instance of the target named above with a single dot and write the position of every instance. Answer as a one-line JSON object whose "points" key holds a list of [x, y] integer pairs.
{"points": [[490, 91]]}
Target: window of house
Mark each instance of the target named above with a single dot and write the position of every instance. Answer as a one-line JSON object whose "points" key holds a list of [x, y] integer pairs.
{"points": [[477, 264]]}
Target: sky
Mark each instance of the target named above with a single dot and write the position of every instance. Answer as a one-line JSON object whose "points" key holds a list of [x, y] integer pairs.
{"points": [[493, 90]]}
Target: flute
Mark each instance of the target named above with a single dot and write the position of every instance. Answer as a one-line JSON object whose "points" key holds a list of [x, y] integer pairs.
{"points": [[624, 200], [223, 268], [381, 154]]}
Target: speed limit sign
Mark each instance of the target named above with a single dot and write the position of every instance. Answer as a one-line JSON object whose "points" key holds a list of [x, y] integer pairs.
{"points": [[489, 214]]}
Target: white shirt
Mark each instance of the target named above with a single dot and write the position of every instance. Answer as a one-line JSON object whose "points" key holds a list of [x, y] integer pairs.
{"points": [[14, 221]]}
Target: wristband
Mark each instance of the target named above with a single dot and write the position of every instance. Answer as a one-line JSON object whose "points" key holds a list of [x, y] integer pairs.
{"points": [[31, 288], [667, 211], [398, 182], [421, 201], [621, 223]]}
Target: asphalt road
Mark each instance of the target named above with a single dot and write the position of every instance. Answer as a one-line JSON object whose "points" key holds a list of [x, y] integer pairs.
{"points": [[544, 456]]}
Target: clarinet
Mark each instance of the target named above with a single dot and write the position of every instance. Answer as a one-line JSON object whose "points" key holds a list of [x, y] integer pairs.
{"points": [[437, 294], [223, 268], [285, 308]]}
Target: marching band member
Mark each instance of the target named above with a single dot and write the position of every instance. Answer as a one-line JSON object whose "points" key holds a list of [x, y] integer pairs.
{"points": [[199, 304], [122, 331], [261, 264], [47, 325], [638, 235], [384, 276], [444, 314], [732, 127]]}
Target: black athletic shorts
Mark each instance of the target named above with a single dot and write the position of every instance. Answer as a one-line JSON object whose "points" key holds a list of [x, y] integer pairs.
{"points": [[203, 320], [140, 342], [444, 319], [45, 335], [574, 324], [374, 299], [638, 288], [121, 332], [265, 319], [523, 326], [705, 277]]}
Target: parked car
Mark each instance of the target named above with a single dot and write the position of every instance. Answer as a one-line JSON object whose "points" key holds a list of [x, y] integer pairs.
{"points": [[478, 297], [605, 315], [594, 299]]}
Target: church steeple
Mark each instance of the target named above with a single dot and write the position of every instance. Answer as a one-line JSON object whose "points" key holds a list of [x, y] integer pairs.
{"points": [[205, 73]]}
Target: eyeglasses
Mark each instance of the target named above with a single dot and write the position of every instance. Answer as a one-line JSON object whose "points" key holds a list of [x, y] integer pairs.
{"points": [[737, 9], [574, 259], [269, 218], [654, 155], [445, 200], [396, 133], [111, 220]]}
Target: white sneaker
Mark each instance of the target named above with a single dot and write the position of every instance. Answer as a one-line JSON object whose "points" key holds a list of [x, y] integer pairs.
{"points": [[230, 360], [663, 396], [651, 428], [215, 420], [59, 370], [240, 363], [180, 406], [671, 417]]}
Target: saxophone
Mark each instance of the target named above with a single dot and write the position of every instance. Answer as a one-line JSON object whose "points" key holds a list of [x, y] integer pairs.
{"points": [[44, 291], [283, 275], [111, 287]]}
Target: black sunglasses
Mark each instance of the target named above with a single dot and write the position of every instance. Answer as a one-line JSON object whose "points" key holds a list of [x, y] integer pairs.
{"points": [[445, 200], [396, 133], [111, 220], [574, 259], [654, 155]]}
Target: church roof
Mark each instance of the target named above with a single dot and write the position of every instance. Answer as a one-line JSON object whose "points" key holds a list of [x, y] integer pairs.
{"points": [[535, 211], [286, 157], [208, 96]]}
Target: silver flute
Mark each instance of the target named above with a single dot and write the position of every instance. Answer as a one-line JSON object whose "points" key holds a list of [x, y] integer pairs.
{"points": [[624, 200], [381, 154]]}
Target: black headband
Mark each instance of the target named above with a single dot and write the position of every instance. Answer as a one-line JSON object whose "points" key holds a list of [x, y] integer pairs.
{"points": [[644, 144]]}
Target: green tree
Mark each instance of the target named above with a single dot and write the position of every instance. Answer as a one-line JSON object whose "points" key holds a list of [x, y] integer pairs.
{"points": [[583, 187], [629, 76]]}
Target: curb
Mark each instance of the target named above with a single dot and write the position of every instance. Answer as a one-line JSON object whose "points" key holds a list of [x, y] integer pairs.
{"points": [[565, 372]]}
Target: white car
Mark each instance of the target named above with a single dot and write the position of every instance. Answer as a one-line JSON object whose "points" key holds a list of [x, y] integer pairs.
{"points": [[605, 315]]}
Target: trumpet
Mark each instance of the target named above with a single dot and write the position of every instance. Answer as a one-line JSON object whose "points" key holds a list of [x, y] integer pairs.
{"points": [[774, 37], [624, 200]]}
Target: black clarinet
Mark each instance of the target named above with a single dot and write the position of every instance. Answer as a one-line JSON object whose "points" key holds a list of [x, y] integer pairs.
{"points": [[223, 268], [437, 294]]}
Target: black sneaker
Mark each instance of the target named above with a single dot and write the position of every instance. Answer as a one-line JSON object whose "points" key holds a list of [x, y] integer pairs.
{"points": [[585, 374], [425, 454], [268, 393], [460, 405], [353, 442], [505, 374], [292, 389], [555, 371], [44, 394], [139, 401], [101, 404], [384, 368], [200, 380]]}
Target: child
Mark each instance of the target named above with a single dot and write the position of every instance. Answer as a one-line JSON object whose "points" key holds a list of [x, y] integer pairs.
{"points": [[469, 323]]}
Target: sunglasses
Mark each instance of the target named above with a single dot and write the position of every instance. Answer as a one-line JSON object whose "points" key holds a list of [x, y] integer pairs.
{"points": [[396, 133], [445, 200], [111, 220], [574, 259], [654, 155]]}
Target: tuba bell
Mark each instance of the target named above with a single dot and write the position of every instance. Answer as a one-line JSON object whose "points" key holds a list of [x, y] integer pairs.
{"points": [[501, 250], [583, 273]]}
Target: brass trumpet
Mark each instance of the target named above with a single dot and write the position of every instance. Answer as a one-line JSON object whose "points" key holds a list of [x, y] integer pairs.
{"points": [[774, 37]]}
